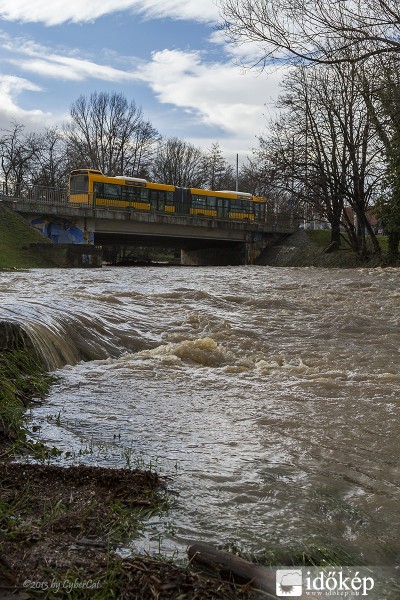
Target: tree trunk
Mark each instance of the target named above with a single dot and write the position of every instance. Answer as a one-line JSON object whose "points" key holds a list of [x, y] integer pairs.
{"points": [[393, 244], [335, 233]]}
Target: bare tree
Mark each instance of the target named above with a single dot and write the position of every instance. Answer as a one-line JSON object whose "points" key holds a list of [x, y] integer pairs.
{"points": [[50, 167], [325, 152], [108, 133], [254, 175], [18, 151], [218, 174], [364, 34], [178, 163], [381, 90], [314, 30], [141, 152]]}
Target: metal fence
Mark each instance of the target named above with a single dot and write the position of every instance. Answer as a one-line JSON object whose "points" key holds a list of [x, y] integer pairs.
{"points": [[37, 193]]}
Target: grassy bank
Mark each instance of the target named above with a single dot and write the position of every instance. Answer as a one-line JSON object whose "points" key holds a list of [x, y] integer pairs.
{"points": [[307, 249], [15, 237], [344, 257]]}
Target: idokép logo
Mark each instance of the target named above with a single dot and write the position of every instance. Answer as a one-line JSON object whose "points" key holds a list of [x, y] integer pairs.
{"points": [[289, 582], [325, 582]]}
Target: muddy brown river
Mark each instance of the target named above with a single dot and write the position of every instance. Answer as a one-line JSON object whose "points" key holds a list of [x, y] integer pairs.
{"points": [[269, 396]]}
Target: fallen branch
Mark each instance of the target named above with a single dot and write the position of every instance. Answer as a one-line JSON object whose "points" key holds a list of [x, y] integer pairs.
{"points": [[241, 570]]}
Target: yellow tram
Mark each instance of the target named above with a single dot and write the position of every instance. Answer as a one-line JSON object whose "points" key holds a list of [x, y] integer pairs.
{"points": [[92, 187]]}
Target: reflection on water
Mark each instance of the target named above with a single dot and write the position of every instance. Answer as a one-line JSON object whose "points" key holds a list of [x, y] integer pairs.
{"points": [[270, 396]]}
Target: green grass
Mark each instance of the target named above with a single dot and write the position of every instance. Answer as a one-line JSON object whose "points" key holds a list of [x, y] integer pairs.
{"points": [[345, 257], [319, 237], [22, 377], [15, 236], [322, 238]]}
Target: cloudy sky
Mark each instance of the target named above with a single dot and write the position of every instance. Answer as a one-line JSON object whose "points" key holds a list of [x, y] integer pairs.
{"points": [[167, 55]]}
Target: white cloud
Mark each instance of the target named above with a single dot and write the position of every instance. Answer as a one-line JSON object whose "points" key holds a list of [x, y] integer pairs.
{"points": [[217, 94], [42, 61], [246, 53], [71, 69], [231, 102], [10, 88], [55, 12], [227, 100]]}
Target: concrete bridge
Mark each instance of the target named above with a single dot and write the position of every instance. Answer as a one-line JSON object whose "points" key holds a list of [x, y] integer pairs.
{"points": [[202, 240]]}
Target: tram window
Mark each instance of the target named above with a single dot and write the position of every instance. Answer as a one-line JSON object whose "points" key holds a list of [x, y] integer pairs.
{"points": [[259, 210], [199, 201], [211, 202], [237, 206], [79, 184], [111, 190], [131, 193], [156, 200], [98, 188]]}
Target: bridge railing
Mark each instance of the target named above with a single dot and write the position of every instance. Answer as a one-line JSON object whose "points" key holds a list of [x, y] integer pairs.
{"points": [[37, 193]]}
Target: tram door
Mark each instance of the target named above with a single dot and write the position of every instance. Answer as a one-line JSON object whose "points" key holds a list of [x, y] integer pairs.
{"points": [[222, 208], [182, 198]]}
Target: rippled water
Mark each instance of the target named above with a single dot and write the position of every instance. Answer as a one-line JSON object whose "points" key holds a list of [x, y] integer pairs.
{"points": [[270, 396]]}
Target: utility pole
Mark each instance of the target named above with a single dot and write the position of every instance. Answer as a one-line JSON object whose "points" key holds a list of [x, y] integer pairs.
{"points": [[237, 172]]}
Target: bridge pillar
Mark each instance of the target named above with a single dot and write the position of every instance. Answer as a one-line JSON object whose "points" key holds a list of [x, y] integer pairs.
{"points": [[219, 256]]}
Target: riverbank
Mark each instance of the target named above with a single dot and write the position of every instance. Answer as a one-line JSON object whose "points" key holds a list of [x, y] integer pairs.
{"points": [[61, 530], [61, 527], [16, 235], [308, 249]]}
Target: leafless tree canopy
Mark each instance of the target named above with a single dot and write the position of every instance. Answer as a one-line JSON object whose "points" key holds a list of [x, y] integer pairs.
{"points": [[324, 152], [218, 174], [107, 132], [314, 30], [178, 163], [18, 152]]}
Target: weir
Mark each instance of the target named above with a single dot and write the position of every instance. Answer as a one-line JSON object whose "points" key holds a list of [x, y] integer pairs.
{"points": [[13, 337], [64, 336], [50, 346]]}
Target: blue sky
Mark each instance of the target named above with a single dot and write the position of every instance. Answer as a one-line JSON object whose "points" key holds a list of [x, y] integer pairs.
{"points": [[167, 55]]}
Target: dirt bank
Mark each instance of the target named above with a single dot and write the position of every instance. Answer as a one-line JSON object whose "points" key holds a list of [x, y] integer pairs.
{"points": [[61, 528]]}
